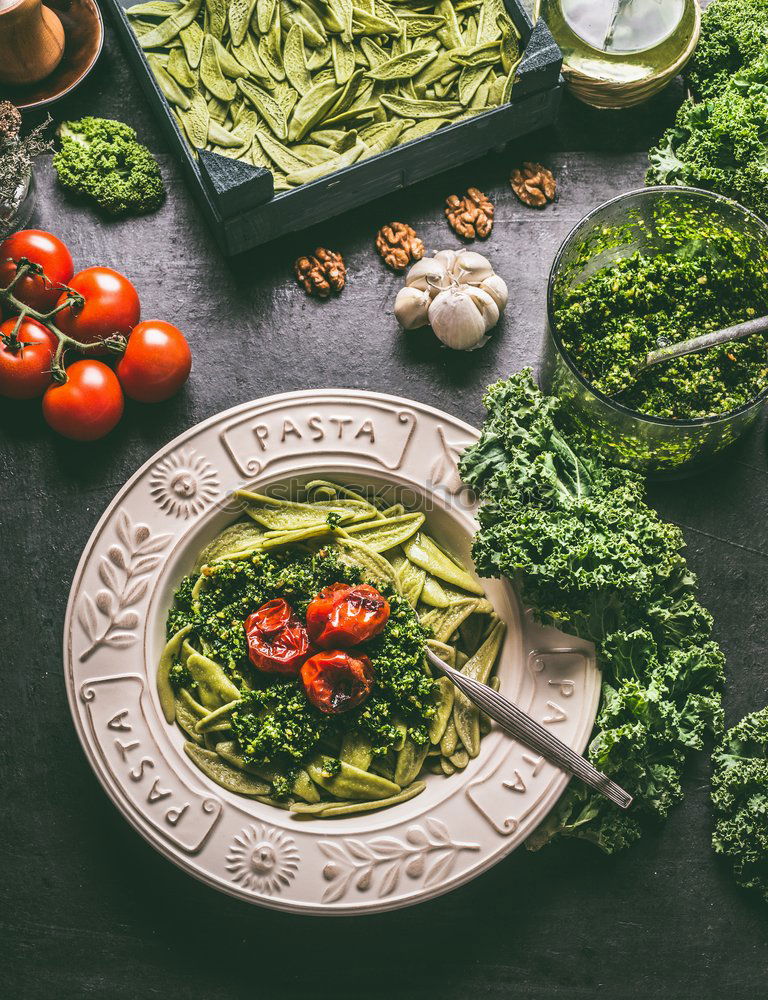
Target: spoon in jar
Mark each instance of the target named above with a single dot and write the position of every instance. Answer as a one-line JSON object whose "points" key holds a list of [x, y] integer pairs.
{"points": [[738, 332], [517, 723]]}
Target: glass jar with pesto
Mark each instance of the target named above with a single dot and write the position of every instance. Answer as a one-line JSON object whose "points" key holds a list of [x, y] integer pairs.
{"points": [[652, 267]]}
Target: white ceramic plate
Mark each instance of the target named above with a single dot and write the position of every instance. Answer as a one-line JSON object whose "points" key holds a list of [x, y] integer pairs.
{"points": [[149, 537]]}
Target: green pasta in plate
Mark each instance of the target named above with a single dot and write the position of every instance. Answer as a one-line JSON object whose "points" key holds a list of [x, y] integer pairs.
{"points": [[295, 661]]}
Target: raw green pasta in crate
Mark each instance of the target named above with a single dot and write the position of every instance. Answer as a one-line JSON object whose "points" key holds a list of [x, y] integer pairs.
{"points": [[307, 87], [259, 734]]}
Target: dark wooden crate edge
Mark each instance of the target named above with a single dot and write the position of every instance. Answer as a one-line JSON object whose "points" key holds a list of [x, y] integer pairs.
{"points": [[306, 205], [539, 74]]}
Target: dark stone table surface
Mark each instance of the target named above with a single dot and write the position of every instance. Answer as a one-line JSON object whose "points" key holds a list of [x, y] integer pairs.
{"points": [[87, 908]]}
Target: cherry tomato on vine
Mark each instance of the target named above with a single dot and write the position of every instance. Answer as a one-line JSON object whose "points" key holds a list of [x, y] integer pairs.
{"points": [[88, 405], [277, 641], [335, 681], [111, 306], [41, 248], [156, 362], [343, 616], [25, 359]]}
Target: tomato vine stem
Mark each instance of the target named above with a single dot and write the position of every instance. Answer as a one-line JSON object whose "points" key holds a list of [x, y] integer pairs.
{"points": [[24, 267]]}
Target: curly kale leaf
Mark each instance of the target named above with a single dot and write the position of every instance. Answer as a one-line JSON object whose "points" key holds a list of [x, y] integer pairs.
{"points": [[666, 166], [733, 33], [588, 555], [721, 144], [740, 798], [103, 160]]}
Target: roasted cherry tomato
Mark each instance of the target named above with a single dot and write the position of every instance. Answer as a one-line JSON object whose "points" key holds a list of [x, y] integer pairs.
{"points": [[321, 606], [41, 248], [343, 616], [277, 641], [25, 359], [88, 405], [111, 306], [156, 362], [335, 681]]}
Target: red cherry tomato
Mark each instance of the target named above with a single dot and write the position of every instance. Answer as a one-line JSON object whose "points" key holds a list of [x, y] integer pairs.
{"points": [[343, 616], [88, 405], [335, 681], [321, 606], [156, 362], [277, 641], [25, 360], [41, 248], [111, 306]]}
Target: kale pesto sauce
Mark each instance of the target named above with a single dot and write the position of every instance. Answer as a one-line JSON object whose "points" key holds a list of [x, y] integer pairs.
{"points": [[612, 320], [274, 723]]}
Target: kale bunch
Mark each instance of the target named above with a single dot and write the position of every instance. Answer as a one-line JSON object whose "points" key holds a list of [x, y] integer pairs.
{"points": [[733, 33], [721, 144], [740, 798], [588, 555], [103, 160]]}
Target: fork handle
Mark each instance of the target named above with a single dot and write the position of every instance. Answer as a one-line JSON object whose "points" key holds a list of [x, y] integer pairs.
{"points": [[525, 729], [737, 332]]}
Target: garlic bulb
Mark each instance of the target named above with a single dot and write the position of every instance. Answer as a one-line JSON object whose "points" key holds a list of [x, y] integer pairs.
{"points": [[462, 315], [457, 293], [411, 307]]}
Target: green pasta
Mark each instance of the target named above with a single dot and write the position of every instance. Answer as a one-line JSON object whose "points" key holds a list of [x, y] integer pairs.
{"points": [[256, 734]]}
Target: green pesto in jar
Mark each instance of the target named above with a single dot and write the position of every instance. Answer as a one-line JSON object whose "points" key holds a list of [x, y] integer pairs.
{"points": [[613, 319]]}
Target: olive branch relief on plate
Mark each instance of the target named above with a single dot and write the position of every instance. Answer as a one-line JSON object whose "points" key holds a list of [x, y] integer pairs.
{"points": [[108, 620], [427, 851]]}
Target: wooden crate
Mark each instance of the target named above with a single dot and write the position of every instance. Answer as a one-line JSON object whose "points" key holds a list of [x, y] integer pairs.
{"points": [[239, 201]]}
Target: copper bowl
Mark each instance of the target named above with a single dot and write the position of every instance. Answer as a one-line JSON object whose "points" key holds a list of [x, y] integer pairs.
{"points": [[83, 40]]}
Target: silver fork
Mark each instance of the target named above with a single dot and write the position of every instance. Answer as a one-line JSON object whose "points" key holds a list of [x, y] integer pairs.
{"points": [[517, 723]]}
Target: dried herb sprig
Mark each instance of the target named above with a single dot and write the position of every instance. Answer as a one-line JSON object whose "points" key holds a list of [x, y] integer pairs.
{"points": [[16, 155]]}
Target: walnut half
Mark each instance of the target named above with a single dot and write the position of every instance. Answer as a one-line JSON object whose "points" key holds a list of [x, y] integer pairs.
{"points": [[471, 215], [533, 184], [399, 245], [321, 272]]}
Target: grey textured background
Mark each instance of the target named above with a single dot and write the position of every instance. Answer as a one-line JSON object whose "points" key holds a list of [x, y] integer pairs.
{"points": [[87, 909]]}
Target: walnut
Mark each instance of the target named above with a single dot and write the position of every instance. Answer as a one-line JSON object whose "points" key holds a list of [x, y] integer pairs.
{"points": [[399, 245], [471, 215], [321, 272], [533, 184]]}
